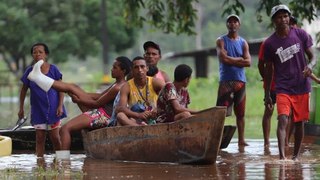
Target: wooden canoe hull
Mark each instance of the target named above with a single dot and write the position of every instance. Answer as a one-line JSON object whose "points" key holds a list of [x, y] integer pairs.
{"points": [[193, 140], [24, 139]]}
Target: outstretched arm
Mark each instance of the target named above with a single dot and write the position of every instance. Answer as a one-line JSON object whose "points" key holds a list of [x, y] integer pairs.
{"points": [[177, 108]]}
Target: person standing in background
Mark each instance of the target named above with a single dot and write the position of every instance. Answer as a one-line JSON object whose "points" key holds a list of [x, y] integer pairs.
{"points": [[284, 54], [234, 56], [268, 110], [47, 108], [152, 55]]}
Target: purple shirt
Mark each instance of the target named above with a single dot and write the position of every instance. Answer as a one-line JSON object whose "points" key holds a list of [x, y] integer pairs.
{"points": [[288, 57], [164, 108], [44, 105]]}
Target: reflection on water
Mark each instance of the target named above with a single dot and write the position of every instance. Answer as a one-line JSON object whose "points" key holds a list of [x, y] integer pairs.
{"points": [[251, 162]]}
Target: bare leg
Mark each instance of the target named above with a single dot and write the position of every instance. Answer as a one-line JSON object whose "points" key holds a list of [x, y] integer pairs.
{"points": [[69, 88], [40, 142], [55, 138], [290, 129], [239, 110], [77, 123], [123, 120], [266, 125], [46, 82], [298, 137], [241, 125], [182, 115], [281, 134]]}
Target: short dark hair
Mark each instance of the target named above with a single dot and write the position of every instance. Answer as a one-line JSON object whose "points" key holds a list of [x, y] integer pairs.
{"points": [[182, 72], [46, 49], [125, 64], [151, 44], [138, 58]]}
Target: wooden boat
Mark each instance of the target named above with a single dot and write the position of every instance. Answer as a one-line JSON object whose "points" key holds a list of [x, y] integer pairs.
{"points": [[228, 132], [6, 146], [24, 139], [193, 140]]}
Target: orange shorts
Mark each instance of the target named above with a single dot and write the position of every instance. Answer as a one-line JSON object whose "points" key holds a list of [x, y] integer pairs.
{"points": [[299, 104]]}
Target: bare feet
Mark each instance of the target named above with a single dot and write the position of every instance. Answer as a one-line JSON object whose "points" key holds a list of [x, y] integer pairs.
{"points": [[283, 158], [243, 143], [295, 158]]}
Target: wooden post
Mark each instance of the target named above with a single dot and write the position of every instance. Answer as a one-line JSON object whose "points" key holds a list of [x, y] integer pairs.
{"points": [[201, 63]]}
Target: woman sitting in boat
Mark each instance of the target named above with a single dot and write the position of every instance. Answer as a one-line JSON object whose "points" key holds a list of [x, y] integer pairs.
{"points": [[173, 100], [97, 107]]}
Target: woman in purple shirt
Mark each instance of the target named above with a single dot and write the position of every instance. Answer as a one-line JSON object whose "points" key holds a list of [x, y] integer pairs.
{"points": [[47, 108]]}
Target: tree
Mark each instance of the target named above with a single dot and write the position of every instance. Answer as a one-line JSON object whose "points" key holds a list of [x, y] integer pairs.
{"points": [[302, 9], [68, 27], [176, 16]]}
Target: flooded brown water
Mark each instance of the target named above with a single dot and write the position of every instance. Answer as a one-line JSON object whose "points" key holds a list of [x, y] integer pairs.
{"points": [[251, 162]]}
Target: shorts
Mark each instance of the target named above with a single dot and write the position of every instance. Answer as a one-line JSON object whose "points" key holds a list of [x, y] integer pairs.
{"points": [[47, 127], [298, 104], [98, 118], [232, 94]]}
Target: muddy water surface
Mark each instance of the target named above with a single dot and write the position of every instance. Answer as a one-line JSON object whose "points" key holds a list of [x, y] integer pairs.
{"points": [[251, 162]]}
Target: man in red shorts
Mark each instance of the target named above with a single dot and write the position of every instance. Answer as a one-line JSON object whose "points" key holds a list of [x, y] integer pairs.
{"points": [[284, 53]]}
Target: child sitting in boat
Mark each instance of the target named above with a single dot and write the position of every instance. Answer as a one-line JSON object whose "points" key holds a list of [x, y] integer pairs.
{"points": [[173, 100]]}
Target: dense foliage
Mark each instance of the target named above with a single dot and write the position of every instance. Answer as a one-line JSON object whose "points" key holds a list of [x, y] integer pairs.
{"points": [[170, 16], [85, 28], [70, 27], [302, 9]]}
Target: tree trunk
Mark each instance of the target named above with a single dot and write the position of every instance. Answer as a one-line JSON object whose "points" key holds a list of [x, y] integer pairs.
{"points": [[104, 38]]}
